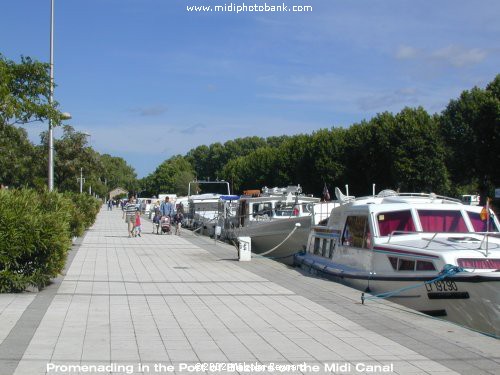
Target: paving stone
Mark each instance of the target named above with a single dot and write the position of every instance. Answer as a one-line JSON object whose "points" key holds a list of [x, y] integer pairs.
{"points": [[172, 300]]}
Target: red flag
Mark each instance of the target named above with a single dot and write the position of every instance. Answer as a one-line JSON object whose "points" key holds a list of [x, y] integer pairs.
{"points": [[485, 212]]}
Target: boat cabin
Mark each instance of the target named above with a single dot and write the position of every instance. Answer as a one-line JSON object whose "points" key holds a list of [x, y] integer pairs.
{"points": [[410, 231], [272, 208]]}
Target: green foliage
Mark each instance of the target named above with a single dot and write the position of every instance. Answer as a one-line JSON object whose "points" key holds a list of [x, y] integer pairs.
{"points": [[449, 153], [83, 212], [470, 129], [19, 160], [117, 173], [37, 228], [34, 240], [171, 176], [24, 92]]}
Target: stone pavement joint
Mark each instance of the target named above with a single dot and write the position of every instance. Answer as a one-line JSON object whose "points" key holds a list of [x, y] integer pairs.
{"points": [[137, 304]]}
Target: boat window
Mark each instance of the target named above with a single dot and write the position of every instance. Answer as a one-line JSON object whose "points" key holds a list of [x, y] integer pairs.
{"points": [[423, 265], [332, 248], [406, 265], [356, 232], [400, 264], [388, 222], [480, 225], [474, 263], [316, 245], [206, 206], [324, 250], [306, 207], [394, 262], [261, 209], [448, 221]]}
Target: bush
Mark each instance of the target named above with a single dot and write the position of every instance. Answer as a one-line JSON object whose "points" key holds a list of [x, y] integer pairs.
{"points": [[88, 207], [35, 238], [84, 211]]}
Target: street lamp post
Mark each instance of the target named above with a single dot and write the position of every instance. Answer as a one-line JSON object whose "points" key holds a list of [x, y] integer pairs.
{"points": [[51, 98], [81, 180], [65, 115]]}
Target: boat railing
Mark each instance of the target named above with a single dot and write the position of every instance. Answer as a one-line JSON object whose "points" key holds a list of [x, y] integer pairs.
{"points": [[429, 195], [485, 235]]}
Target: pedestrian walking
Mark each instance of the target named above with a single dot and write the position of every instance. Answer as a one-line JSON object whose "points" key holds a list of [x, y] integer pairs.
{"points": [[156, 217], [129, 211], [137, 227], [178, 217], [167, 208], [110, 205]]}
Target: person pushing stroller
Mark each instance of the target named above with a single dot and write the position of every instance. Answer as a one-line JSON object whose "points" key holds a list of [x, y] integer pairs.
{"points": [[167, 209]]}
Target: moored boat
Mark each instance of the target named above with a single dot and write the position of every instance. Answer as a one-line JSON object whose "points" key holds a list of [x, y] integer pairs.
{"points": [[203, 208], [430, 253], [277, 220]]}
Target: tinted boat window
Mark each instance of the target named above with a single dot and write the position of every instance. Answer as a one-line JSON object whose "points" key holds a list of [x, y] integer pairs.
{"points": [[406, 265], [448, 221], [389, 222], [356, 232], [423, 265], [480, 225]]}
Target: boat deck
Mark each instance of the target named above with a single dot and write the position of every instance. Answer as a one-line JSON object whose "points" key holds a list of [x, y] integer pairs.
{"points": [[157, 304]]}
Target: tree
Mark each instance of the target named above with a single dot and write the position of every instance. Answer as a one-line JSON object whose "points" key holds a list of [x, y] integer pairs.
{"points": [[254, 170], [326, 148], [171, 176], [25, 93], [24, 98], [18, 162], [117, 173], [402, 151], [470, 127], [418, 153]]}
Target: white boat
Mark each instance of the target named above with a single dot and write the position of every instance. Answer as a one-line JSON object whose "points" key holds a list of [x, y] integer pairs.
{"points": [[430, 253], [203, 208], [278, 221]]}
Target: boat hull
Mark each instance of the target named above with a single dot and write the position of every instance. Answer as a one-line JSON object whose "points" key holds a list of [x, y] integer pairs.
{"points": [[468, 299], [274, 239]]}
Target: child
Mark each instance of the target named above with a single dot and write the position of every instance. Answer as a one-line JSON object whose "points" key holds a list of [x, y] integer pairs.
{"points": [[137, 227], [156, 218]]}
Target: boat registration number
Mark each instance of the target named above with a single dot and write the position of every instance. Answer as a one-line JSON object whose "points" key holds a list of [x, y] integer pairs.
{"points": [[442, 286]]}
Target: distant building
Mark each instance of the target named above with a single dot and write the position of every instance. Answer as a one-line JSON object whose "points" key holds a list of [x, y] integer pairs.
{"points": [[116, 192]]}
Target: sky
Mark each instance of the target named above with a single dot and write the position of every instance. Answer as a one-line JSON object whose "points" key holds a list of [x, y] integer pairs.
{"points": [[149, 79]]}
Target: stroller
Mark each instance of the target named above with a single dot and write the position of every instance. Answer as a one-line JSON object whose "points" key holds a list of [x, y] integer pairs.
{"points": [[165, 224]]}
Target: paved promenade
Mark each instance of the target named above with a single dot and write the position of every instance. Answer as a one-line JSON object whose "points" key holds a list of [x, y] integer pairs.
{"points": [[160, 304]]}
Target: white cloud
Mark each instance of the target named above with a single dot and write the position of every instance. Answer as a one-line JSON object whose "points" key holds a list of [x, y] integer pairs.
{"points": [[459, 56], [406, 53], [454, 55], [155, 110], [192, 129], [390, 99]]}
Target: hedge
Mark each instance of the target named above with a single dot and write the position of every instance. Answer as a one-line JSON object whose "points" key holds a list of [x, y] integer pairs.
{"points": [[36, 232]]}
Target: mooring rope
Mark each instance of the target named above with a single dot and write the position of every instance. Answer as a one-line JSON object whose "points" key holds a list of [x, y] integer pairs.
{"points": [[282, 242], [448, 270]]}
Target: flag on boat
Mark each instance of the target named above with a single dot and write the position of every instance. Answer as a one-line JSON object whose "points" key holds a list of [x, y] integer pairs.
{"points": [[326, 193], [485, 212]]}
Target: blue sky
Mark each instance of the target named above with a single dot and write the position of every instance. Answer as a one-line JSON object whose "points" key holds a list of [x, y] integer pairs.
{"points": [[171, 79]]}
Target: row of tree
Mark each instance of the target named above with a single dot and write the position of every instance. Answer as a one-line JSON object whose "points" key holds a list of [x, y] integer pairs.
{"points": [[24, 98], [452, 153]]}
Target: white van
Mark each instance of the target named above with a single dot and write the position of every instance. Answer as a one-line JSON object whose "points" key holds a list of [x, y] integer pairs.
{"points": [[471, 200]]}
